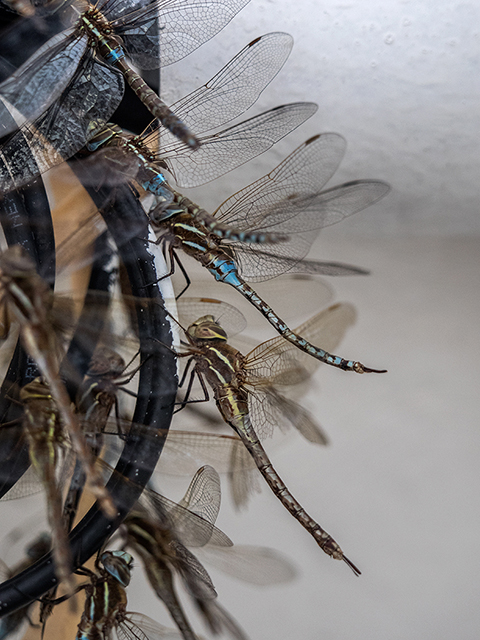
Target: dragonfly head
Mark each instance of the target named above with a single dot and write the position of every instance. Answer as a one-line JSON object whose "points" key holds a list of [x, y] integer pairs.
{"points": [[206, 329], [118, 564]]}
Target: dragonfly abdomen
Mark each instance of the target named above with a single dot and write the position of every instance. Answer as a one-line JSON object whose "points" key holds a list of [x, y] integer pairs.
{"points": [[243, 427], [45, 436], [156, 106], [226, 271], [210, 225]]}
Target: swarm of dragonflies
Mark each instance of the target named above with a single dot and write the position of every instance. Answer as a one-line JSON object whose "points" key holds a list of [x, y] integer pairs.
{"points": [[94, 378]]}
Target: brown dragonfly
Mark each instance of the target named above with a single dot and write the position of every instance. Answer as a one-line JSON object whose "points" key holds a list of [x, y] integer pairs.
{"points": [[246, 393], [161, 541], [28, 300]]}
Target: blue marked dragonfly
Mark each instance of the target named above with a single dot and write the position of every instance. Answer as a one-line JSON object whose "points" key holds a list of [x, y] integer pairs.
{"points": [[156, 538], [69, 88], [105, 608], [225, 96], [288, 200]]}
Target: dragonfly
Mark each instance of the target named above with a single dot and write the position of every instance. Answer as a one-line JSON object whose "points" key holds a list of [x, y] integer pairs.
{"points": [[107, 375], [228, 94], [288, 200], [68, 89], [154, 536], [225, 96], [245, 391], [29, 300], [106, 602], [47, 448]]}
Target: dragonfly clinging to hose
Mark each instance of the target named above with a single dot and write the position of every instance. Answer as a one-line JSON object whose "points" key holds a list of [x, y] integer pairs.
{"points": [[288, 200], [106, 603], [247, 396]]}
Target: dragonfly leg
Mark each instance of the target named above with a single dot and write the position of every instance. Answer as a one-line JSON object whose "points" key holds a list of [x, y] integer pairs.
{"points": [[67, 596], [188, 282], [186, 399]]}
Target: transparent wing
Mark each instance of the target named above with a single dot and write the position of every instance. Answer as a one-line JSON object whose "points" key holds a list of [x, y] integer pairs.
{"points": [[91, 97], [184, 26], [203, 495], [228, 149], [255, 565], [193, 573], [219, 620], [290, 200], [280, 363], [316, 267], [186, 451], [229, 317], [30, 484], [273, 198], [40, 80], [190, 527], [269, 409], [136, 626], [232, 90], [138, 24]]}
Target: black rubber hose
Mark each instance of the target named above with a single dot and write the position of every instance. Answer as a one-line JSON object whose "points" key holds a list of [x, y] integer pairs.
{"points": [[156, 397]]}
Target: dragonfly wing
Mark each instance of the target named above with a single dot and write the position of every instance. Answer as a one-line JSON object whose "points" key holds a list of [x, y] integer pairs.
{"points": [[260, 262], [321, 267], [185, 24], [219, 620], [30, 484], [270, 208], [269, 409], [30, 90], [228, 149], [230, 318], [255, 565], [138, 24], [234, 88], [243, 477], [137, 626], [190, 528], [203, 495], [91, 97], [277, 196], [281, 364], [293, 413], [193, 573]]}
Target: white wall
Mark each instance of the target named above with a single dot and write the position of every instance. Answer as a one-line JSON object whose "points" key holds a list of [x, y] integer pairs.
{"points": [[399, 79]]}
